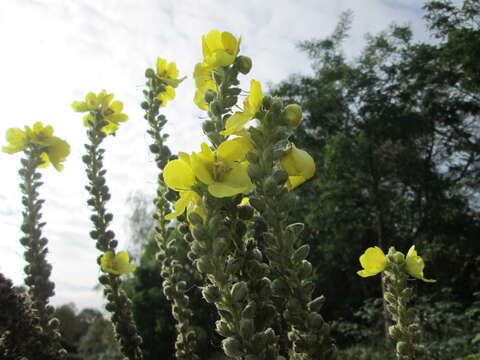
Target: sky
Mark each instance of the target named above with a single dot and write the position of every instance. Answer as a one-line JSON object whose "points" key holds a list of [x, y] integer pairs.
{"points": [[56, 51]]}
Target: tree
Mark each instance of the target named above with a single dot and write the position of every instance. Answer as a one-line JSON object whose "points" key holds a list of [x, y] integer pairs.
{"points": [[394, 133]]}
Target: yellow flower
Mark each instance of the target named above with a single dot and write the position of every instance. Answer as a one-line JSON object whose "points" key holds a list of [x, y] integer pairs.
{"points": [[18, 141], [168, 72], [219, 48], [414, 265], [117, 264], [203, 82], [373, 261], [102, 104], [166, 96], [224, 171], [190, 201], [54, 150], [299, 166], [251, 105]]}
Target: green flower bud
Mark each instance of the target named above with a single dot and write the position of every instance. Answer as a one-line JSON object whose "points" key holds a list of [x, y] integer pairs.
{"points": [[222, 328], [254, 171], [293, 114], [247, 328], [204, 265], [280, 287], [277, 105], [252, 157], [315, 320], [280, 177], [249, 311], [267, 102], [258, 204], [219, 246], [402, 348], [270, 186], [244, 64], [149, 73], [232, 347], [216, 108], [211, 294], [397, 258], [210, 96], [195, 219], [245, 212], [239, 291], [208, 126], [301, 253]]}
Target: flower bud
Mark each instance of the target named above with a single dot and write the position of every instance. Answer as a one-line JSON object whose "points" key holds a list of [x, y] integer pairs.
{"points": [[149, 73], [402, 348], [209, 95], [245, 212], [247, 328], [302, 252], [208, 126], [244, 64], [222, 328], [239, 291], [204, 265], [232, 347], [293, 114], [270, 186], [211, 294], [216, 108]]}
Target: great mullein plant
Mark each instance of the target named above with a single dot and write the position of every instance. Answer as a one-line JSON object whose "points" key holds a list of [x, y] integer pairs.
{"points": [[161, 84], [263, 298], [231, 198], [397, 270], [102, 119], [40, 148]]}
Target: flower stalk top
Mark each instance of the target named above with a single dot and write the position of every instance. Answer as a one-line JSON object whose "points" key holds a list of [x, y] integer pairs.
{"points": [[374, 261], [219, 48], [102, 104], [116, 264], [53, 149], [167, 73]]}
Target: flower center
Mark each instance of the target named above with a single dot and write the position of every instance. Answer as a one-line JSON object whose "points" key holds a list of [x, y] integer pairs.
{"points": [[219, 170]]}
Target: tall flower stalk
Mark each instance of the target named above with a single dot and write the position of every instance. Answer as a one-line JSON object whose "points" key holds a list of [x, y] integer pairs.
{"points": [[276, 167], [103, 119], [161, 84], [40, 148], [397, 270]]}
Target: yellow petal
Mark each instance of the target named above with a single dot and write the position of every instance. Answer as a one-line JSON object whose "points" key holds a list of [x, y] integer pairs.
{"points": [[373, 261], [254, 101], [234, 150], [178, 175], [18, 141], [414, 265], [299, 165], [186, 198], [235, 123], [80, 106], [202, 166]]}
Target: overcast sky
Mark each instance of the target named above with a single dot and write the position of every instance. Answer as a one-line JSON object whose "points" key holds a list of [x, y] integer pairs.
{"points": [[55, 51]]}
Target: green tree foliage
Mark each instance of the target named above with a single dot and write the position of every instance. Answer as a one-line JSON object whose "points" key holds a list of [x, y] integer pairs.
{"points": [[99, 342], [395, 136]]}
